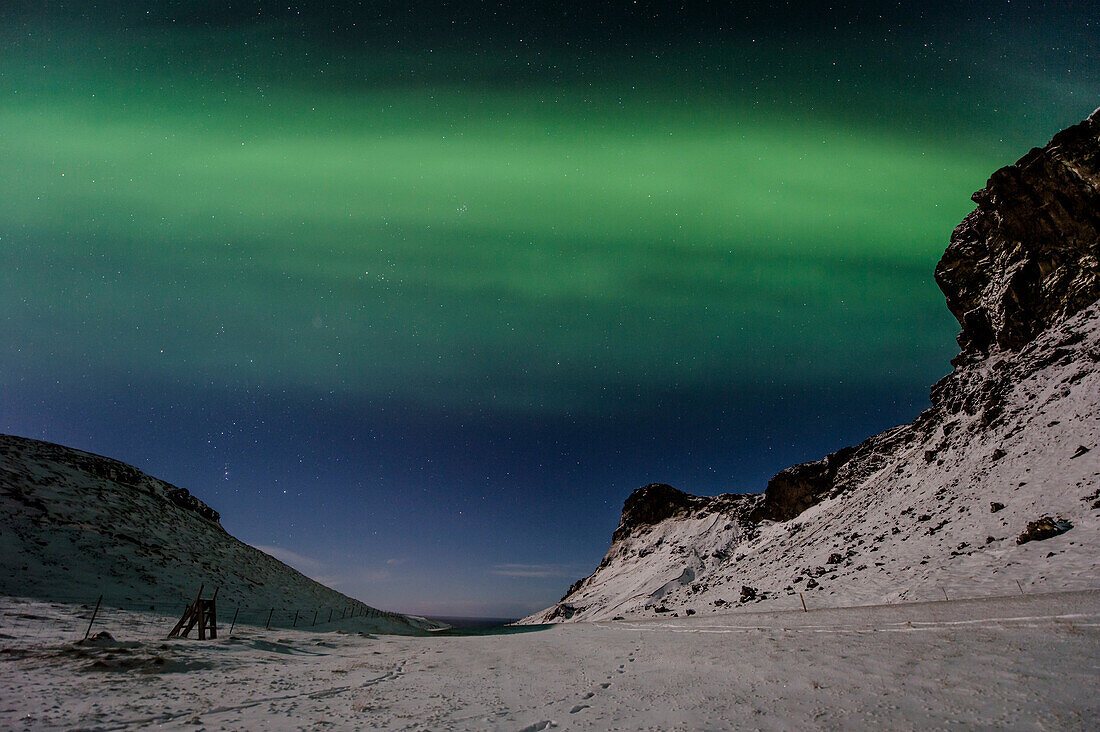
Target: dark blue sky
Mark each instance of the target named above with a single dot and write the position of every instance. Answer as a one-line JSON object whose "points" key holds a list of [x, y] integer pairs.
{"points": [[415, 295]]}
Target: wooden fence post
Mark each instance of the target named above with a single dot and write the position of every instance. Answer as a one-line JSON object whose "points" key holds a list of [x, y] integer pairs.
{"points": [[94, 613], [234, 623], [803, 603], [199, 613], [268, 627]]}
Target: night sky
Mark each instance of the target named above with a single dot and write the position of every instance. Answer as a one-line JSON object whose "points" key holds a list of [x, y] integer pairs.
{"points": [[415, 294]]}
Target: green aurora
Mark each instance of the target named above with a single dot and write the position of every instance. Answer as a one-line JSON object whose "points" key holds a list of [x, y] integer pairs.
{"points": [[526, 246]]}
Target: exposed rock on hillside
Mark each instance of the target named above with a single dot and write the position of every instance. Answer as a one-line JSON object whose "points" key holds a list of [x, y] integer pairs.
{"points": [[797, 488], [657, 502], [906, 513], [1027, 256], [114, 471], [1043, 529]]}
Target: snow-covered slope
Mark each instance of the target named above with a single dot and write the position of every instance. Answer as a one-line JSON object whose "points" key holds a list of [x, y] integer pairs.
{"points": [[993, 490], [74, 526]]}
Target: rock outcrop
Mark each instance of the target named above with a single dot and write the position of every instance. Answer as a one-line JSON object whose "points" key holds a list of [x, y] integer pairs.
{"points": [[657, 502], [116, 472], [797, 488], [906, 513], [1027, 256]]}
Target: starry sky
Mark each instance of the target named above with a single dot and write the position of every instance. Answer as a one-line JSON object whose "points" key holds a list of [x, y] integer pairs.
{"points": [[415, 294]]}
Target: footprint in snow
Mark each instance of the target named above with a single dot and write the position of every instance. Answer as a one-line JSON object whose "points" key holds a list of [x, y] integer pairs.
{"points": [[539, 726]]}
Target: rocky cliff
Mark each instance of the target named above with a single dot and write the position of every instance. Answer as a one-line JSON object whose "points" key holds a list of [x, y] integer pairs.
{"points": [[1026, 257], [994, 489]]}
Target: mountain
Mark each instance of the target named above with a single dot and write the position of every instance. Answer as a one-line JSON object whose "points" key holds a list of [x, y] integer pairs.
{"points": [[74, 526], [994, 489]]}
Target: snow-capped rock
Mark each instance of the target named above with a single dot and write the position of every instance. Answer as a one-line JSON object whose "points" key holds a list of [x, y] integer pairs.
{"points": [[939, 507]]}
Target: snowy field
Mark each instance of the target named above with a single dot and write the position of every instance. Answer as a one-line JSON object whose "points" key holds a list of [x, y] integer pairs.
{"points": [[1025, 662]]}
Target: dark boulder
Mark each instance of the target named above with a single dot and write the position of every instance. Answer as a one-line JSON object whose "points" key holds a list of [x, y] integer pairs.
{"points": [[563, 611], [1044, 528]]}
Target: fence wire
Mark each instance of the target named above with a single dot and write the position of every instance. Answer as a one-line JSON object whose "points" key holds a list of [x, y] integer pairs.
{"points": [[28, 622]]}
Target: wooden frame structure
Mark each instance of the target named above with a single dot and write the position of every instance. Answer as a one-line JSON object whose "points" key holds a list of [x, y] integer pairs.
{"points": [[202, 612]]}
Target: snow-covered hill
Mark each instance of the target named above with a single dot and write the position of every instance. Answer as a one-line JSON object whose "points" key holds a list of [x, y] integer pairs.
{"points": [[74, 526], [993, 490]]}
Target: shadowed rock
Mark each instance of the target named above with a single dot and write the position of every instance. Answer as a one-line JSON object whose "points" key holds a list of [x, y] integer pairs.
{"points": [[657, 502], [1044, 528], [797, 488], [1029, 255]]}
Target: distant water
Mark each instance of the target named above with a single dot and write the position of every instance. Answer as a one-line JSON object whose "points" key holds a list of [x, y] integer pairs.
{"points": [[475, 623], [483, 626]]}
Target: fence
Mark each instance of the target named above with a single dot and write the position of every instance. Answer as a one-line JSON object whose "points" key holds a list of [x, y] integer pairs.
{"points": [[32, 622]]}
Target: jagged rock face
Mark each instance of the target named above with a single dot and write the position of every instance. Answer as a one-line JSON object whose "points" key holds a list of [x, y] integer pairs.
{"points": [[651, 505], [657, 502], [1029, 255], [654, 520], [183, 498], [797, 488]]}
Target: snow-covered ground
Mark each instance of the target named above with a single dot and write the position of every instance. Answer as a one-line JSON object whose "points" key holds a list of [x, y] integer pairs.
{"points": [[1025, 662]]}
